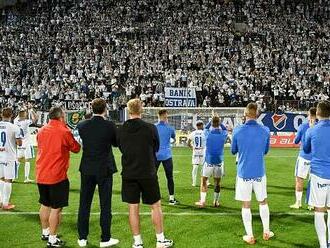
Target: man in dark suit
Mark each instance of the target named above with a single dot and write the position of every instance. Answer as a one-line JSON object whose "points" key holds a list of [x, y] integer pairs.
{"points": [[138, 141], [97, 167]]}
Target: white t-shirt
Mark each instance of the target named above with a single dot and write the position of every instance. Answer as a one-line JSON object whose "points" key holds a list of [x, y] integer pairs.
{"points": [[24, 125], [198, 142], [8, 135]]}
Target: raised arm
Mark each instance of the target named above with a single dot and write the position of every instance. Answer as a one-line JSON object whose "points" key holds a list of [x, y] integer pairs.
{"points": [[33, 116], [208, 126]]}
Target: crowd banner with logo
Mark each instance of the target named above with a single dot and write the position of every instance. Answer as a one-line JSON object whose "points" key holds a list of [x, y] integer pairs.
{"points": [[286, 122], [77, 104], [74, 117], [180, 97]]}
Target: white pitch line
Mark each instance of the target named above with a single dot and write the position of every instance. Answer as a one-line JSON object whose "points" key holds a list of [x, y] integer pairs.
{"points": [[267, 156], [171, 214]]}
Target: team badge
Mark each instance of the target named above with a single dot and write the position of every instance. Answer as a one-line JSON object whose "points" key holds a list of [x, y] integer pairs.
{"points": [[73, 118], [279, 121]]}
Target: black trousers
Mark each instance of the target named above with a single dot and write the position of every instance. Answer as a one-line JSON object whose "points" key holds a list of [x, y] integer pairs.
{"points": [[168, 167], [88, 184]]}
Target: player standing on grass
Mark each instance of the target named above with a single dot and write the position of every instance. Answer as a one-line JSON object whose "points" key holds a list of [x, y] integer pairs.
{"points": [[317, 141], [196, 141], [10, 137], [55, 142], [215, 141], [251, 142], [164, 155], [26, 152], [304, 159], [138, 142]]}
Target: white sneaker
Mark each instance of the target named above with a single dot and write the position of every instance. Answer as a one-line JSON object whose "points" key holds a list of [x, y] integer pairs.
{"points": [[164, 244], [200, 204], [28, 180], [137, 246], [82, 242], [249, 239], [310, 208], [295, 206], [109, 243], [268, 236], [194, 185]]}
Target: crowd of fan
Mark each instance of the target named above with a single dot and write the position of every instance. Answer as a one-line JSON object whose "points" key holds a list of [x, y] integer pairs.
{"points": [[275, 52]]}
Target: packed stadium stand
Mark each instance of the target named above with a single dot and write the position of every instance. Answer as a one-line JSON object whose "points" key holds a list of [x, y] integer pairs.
{"points": [[274, 52]]}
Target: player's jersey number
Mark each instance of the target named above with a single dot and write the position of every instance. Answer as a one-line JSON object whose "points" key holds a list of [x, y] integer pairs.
{"points": [[3, 138], [198, 142]]}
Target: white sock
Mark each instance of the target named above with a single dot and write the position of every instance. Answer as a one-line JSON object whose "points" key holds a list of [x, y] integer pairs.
{"points": [[27, 170], [45, 231], [299, 197], [17, 170], [247, 221], [52, 239], [216, 196], [194, 173], [160, 237], [171, 197], [137, 239], [6, 193], [2, 184], [321, 229], [264, 215], [203, 197]]}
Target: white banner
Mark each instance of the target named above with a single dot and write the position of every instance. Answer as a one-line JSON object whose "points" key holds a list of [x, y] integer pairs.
{"points": [[180, 97]]}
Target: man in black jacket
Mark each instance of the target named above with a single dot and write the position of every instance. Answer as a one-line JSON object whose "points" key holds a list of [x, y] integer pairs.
{"points": [[97, 167], [138, 141]]}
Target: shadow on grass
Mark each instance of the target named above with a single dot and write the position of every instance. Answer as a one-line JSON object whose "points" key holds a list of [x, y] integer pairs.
{"points": [[208, 209]]}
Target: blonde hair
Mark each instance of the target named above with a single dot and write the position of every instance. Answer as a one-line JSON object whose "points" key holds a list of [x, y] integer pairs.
{"points": [[134, 107], [22, 113], [251, 110]]}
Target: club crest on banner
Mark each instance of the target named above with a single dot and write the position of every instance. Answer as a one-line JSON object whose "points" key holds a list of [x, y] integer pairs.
{"points": [[279, 121]]}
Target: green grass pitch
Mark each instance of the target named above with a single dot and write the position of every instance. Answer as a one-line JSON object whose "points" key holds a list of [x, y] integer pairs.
{"points": [[185, 224]]}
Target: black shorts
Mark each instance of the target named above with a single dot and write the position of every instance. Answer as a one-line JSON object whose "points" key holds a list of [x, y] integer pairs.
{"points": [[133, 189], [54, 195]]}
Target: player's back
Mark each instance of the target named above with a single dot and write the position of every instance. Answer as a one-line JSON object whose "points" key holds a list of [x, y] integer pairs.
{"points": [[165, 132], [8, 135], [320, 145], [24, 126], [198, 139], [251, 142], [215, 142]]}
